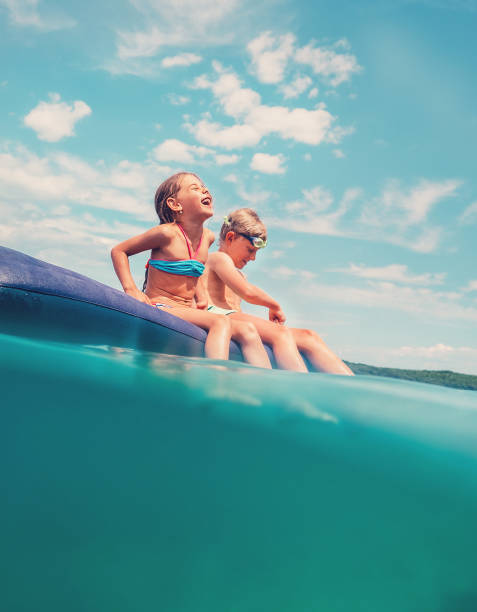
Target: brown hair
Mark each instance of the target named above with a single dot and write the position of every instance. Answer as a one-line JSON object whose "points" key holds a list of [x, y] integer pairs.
{"points": [[243, 221], [168, 189]]}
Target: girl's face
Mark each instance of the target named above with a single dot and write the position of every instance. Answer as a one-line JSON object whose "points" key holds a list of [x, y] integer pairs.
{"points": [[193, 198], [239, 249]]}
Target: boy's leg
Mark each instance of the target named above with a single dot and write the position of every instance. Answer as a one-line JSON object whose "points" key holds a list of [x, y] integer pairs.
{"points": [[253, 351], [320, 356]]}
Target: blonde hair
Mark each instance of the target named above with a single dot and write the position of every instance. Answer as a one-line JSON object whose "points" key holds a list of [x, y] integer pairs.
{"points": [[243, 221], [168, 189]]}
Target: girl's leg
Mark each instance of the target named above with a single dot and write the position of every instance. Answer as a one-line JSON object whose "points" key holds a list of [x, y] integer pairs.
{"points": [[281, 340], [218, 328], [246, 334], [217, 343], [320, 356]]}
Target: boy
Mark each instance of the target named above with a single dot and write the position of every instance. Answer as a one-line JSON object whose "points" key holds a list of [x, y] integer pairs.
{"points": [[241, 236]]}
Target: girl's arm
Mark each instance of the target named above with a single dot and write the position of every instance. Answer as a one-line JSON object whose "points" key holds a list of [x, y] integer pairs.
{"points": [[152, 239], [223, 266], [201, 295]]}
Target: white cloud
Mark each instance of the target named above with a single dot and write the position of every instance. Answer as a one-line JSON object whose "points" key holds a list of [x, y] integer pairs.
{"points": [[55, 207], [406, 209], [252, 197], [177, 100], [313, 93], [336, 134], [425, 303], [342, 43], [471, 286], [423, 197], [181, 152], [397, 273], [396, 216], [426, 241], [258, 120], [438, 356], [318, 198], [401, 215], [270, 55], [435, 350], [338, 153], [55, 120], [316, 201], [132, 45], [236, 100], [80, 242], [184, 13], [224, 160], [335, 67], [25, 13], [187, 23], [470, 214], [268, 164], [64, 179], [286, 273], [178, 151], [183, 59], [296, 87], [231, 178], [312, 214]]}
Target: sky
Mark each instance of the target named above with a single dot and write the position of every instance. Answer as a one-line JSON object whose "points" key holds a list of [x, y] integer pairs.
{"points": [[351, 127]]}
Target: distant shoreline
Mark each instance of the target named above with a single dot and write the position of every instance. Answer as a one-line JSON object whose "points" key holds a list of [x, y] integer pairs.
{"points": [[445, 378]]}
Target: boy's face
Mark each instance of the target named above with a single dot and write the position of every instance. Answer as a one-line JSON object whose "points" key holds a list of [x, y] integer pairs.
{"points": [[240, 250]]}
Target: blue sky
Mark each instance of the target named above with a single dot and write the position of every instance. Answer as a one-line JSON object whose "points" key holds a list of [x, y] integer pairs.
{"points": [[351, 127]]}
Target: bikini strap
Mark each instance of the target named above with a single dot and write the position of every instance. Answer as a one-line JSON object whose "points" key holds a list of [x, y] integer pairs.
{"points": [[188, 241]]}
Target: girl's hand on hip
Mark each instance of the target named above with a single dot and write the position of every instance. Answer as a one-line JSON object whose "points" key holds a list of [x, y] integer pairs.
{"points": [[201, 304], [139, 295]]}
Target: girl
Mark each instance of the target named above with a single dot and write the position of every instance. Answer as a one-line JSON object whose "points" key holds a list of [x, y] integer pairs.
{"points": [[241, 236], [179, 247]]}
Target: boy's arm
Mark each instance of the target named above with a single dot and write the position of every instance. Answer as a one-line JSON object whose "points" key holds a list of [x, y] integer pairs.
{"points": [[223, 266], [152, 239]]}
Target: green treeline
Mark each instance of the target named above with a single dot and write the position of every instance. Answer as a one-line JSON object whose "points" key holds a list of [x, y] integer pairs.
{"points": [[433, 377]]}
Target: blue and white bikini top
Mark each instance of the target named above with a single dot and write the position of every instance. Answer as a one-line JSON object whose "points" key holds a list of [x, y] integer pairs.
{"points": [[182, 267]]}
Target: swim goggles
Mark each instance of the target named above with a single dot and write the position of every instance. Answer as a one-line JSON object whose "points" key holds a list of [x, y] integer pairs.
{"points": [[256, 241]]}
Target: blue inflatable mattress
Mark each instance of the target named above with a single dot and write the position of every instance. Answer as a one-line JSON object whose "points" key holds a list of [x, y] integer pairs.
{"points": [[41, 300]]}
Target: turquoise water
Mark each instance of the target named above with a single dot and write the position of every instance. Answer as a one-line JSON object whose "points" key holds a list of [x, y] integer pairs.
{"points": [[135, 482]]}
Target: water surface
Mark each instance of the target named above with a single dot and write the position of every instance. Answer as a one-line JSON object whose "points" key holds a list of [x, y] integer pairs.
{"points": [[137, 482]]}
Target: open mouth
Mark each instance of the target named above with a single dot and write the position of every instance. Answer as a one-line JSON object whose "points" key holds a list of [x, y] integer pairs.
{"points": [[207, 201]]}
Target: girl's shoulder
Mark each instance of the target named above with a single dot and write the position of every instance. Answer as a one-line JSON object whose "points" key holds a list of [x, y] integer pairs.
{"points": [[209, 236], [166, 231]]}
